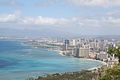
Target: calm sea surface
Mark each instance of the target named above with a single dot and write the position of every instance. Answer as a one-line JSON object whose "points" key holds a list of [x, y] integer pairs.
{"points": [[19, 61]]}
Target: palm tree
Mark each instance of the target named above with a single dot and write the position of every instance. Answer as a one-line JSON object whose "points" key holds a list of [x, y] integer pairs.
{"points": [[115, 51]]}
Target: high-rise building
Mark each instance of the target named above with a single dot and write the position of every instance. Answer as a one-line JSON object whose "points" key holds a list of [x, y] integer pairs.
{"points": [[66, 44], [76, 52], [73, 42]]}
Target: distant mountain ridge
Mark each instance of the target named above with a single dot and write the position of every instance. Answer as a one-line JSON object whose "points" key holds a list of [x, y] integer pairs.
{"points": [[34, 33]]}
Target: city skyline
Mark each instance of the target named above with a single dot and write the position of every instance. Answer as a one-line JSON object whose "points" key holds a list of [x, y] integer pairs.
{"points": [[59, 17]]}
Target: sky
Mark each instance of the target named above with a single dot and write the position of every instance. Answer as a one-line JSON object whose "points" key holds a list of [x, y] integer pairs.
{"points": [[59, 17]]}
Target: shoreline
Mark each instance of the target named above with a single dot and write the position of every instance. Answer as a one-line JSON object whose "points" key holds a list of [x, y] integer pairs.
{"points": [[96, 68], [91, 69], [102, 63]]}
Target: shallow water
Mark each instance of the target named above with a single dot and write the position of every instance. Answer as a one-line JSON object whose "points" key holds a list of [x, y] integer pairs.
{"points": [[19, 61]]}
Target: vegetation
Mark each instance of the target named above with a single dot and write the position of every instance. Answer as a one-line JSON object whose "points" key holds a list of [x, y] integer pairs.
{"points": [[100, 74], [114, 51], [83, 75], [111, 73]]}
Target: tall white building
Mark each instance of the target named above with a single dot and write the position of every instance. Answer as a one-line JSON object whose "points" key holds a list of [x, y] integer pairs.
{"points": [[74, 42]]}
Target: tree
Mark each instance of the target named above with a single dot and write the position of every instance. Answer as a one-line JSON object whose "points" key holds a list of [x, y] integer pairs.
{"points": [[111, 73], [115, 51]]}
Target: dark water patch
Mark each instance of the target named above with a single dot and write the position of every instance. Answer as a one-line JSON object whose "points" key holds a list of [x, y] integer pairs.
{"points": [[7, 62]]}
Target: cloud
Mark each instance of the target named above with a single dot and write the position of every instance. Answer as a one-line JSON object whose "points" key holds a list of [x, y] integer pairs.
{"points": [[10, 18], [101, 3], [16, 18], [10, 3], [45, 3], [40, 20], [102, 22], [105, 21]]}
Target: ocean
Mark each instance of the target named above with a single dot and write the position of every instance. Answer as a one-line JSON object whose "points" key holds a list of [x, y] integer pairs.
{"points": [[19, 61]]}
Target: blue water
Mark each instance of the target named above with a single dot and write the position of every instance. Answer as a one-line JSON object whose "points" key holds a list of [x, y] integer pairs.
{"points": [[19, 61]]}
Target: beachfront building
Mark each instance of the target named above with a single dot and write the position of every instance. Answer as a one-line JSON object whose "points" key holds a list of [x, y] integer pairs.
{"points": [[92, 55], [75, 52], [84, 52]]}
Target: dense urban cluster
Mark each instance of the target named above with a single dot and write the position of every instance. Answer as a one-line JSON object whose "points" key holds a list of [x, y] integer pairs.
{"points": [[88, 48]]}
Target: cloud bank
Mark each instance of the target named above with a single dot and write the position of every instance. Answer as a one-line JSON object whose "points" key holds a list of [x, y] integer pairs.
{"points": [[106, 21], [28, 20]]}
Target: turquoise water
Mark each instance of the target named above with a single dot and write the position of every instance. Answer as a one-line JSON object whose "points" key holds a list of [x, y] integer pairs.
{"points": [[19, 61]]}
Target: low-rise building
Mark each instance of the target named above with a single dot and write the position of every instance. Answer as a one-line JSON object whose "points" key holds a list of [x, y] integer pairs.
{"points": [[102, 56]]}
